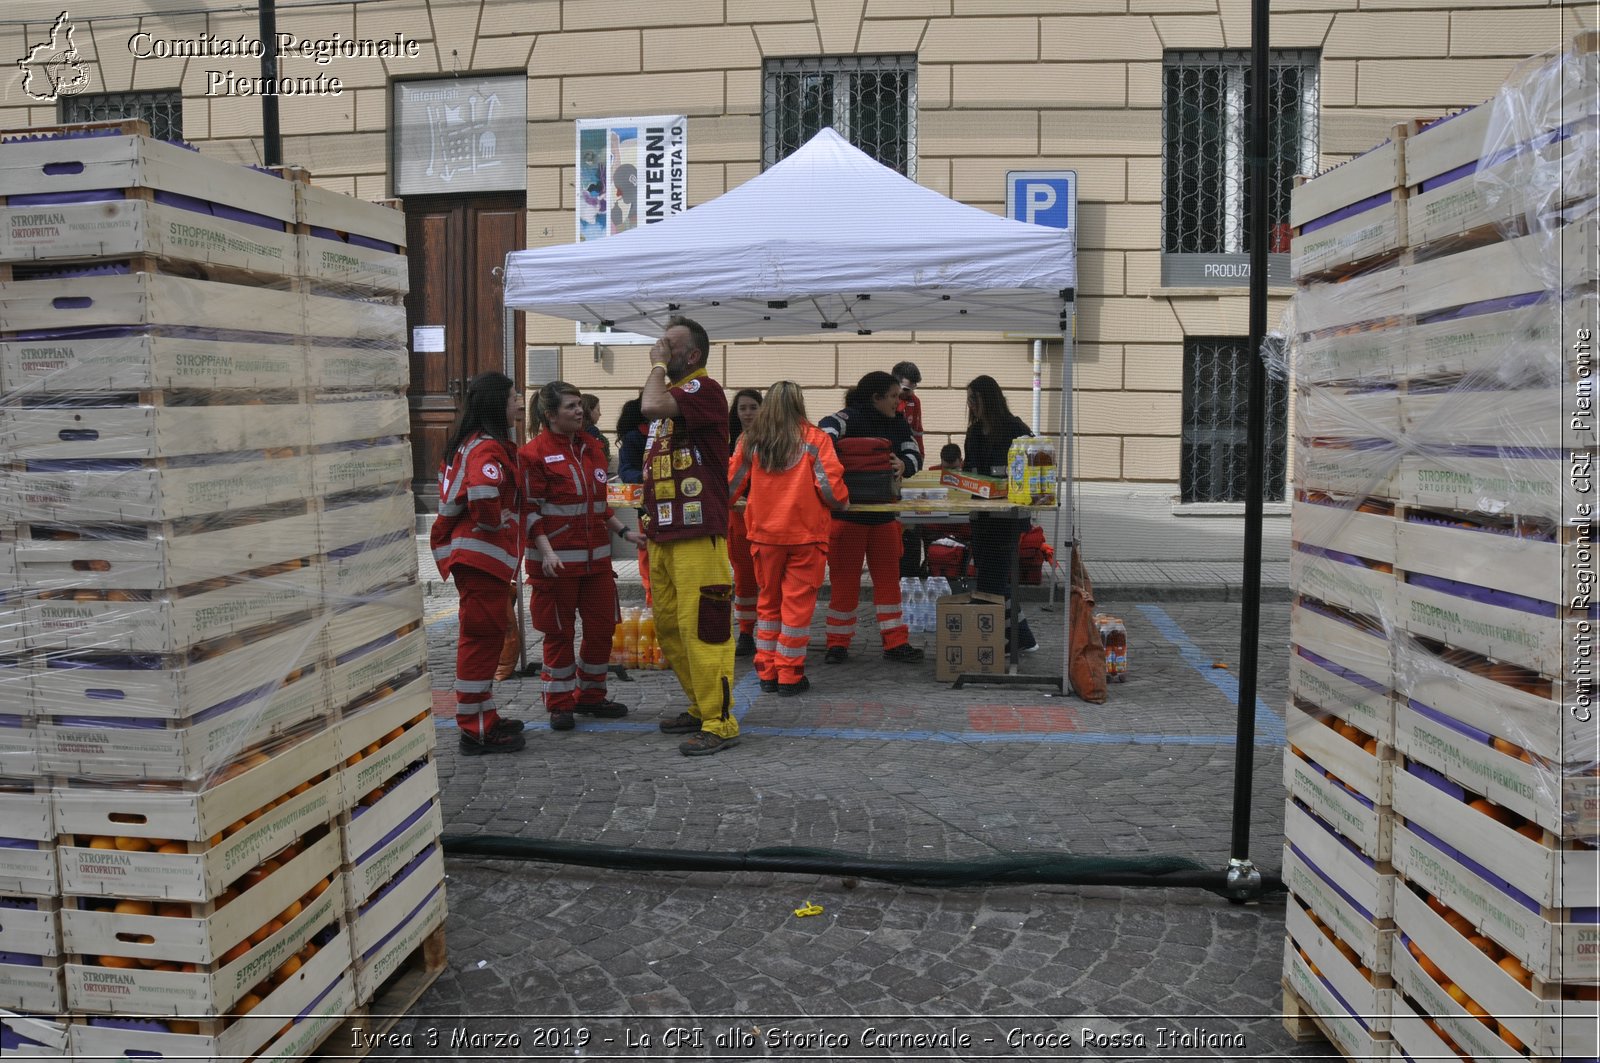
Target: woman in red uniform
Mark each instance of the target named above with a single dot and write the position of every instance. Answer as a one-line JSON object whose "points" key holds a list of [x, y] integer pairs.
{"points": [[476, 542], [568, 528], [745, 405], [789, 469]]}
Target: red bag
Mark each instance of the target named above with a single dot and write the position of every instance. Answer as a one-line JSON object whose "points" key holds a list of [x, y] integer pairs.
{"points": [[1030, 556], [867, 454], [946, 558]]}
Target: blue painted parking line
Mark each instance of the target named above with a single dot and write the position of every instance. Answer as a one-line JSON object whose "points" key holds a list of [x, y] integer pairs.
{"points": [[1269, 725]]}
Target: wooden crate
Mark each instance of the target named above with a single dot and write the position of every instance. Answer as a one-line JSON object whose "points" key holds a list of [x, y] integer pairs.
{"points": [[175, 689], [1368, 774], [1562, 801], [1549, 1027], [1504, 197], [1519, 346], [79, 164], [360, 571], [1507, 634], [111, 492], [240, 1039], [147, 430], [393, 659], [317, 1024], [1549, 727], [1365, 472], [381, 324], [173, 622], [115, 749], [1351, 920], [1565, 258], [33, 1036], [340, 417], [386, 837], [1366, 589], [1365, 994], [408, 710], [1350, 357], [19, 747], [1323, 685], [150, 299], [206, 940], [352, 518], [1488, 554], [1338, 524], [1538, 487], [340, 268], [1550, 942], [1360, 650], [351, 468], [1330, 412], [1340, 861], [325, 209], [28, 817], [1356, 242], [372, 619], [1365, 824], [417, 934], [29, 926], [1475, 413], [179, 238], [1555, 878], [148, 361], [1309, 999], [369, 367], [37, 989]]}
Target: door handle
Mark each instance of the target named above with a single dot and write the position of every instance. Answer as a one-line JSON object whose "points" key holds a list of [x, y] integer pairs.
{"points": [[457, 387]]}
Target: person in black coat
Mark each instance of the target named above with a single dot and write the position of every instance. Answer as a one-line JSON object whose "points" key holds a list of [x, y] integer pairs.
{"points": [[991, 426], [870, 412]]}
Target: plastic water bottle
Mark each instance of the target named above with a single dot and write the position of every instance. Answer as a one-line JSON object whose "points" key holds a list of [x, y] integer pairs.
{"points": [[913, 606]]}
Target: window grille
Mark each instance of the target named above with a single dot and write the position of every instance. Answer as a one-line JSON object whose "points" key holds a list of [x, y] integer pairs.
{"points": [[870, 100], [163, 110], [1216, 396], [1206, 201]]}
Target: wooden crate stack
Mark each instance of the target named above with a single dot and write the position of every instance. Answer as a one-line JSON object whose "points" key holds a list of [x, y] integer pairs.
{"points": [[1442, 814], [202, 371]]}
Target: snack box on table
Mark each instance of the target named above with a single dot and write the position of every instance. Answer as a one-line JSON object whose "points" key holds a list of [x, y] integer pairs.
{"points": [[975, 485]]}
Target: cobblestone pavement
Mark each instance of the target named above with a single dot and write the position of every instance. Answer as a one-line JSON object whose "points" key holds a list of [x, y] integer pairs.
{"points": [[878, 761]]}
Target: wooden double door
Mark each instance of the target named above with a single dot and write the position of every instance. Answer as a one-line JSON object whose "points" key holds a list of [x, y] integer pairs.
{"points": [[457, 247]]}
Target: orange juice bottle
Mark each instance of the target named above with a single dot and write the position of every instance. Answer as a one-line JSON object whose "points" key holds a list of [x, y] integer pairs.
{"points": [[630, 637], [647, 638]]}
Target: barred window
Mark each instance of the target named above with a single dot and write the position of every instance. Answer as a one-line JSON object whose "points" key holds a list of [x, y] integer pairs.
{"points": [[163, 110], [1216, 396], [1205, 194], [870, 100]]}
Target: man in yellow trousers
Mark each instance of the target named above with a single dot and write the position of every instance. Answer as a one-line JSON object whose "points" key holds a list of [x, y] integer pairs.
{"points": [[686, 518]]}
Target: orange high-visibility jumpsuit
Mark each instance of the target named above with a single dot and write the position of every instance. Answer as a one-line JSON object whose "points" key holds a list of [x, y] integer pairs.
{"points": [[787, 520]]}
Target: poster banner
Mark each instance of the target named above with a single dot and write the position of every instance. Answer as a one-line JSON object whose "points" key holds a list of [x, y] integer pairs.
{"points": [[631, 172], [460, 135]]}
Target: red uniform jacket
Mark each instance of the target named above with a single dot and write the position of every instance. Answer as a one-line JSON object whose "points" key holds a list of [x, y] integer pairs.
{"points": [[477, 525], [564, 497]]}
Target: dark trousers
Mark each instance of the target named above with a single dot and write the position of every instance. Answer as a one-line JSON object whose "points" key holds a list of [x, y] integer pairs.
{"points": [[911, 561]]}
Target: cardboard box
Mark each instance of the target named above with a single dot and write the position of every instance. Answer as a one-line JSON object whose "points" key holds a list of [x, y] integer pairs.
{"points": [[971, 635], [621, 494], [978, 486]]}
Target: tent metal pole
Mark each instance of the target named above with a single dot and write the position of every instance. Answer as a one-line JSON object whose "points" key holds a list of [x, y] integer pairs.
{"points": [[1244, 880], [1064, 459]]}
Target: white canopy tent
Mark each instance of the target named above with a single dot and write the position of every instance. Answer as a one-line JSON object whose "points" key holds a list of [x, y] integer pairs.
{"points": [[825, 240]]}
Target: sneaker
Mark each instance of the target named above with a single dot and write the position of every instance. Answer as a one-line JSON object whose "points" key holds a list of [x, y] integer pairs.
{"points": [[681, 724], [503, 726], [836, 655], [605, 709], [476, 746], [746, 646], [705, 743], [907, 654], [790, 690], [562, 721], [769, 686], [1026, 642]]}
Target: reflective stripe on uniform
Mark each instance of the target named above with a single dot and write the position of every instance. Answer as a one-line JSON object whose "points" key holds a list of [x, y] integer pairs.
{"points": [[475, 494], [451, 509], [824, 488], [478, 546], [566, 671], [563, 509], [560, 687], [890, 625], [794, 632], [791, 653], [584, 555], [835, 614], [474, 686]]}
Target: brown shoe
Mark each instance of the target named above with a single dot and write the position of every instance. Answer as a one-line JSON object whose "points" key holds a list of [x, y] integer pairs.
{"points": [[705, 743], [681, 724]]}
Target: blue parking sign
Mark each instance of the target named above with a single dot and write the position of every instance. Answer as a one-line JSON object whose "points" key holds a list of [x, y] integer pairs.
{"points": [[1043, 197]]}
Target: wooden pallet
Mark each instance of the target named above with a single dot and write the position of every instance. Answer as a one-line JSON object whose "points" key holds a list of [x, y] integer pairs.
{"points": [[394, 999]]}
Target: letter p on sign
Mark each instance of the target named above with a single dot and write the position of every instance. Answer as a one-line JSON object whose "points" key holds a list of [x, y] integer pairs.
{"points": [[1043, 197]]}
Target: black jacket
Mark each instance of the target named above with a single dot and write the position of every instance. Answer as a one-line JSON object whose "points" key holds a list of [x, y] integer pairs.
{"points": [[865, 422], [987, 456]]}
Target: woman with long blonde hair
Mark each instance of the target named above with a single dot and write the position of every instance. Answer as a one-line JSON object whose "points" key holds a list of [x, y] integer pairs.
{"points": [[786, 469]]}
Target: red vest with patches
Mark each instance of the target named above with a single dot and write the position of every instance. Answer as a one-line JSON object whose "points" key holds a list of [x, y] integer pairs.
{"points": [[686, 464]]}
